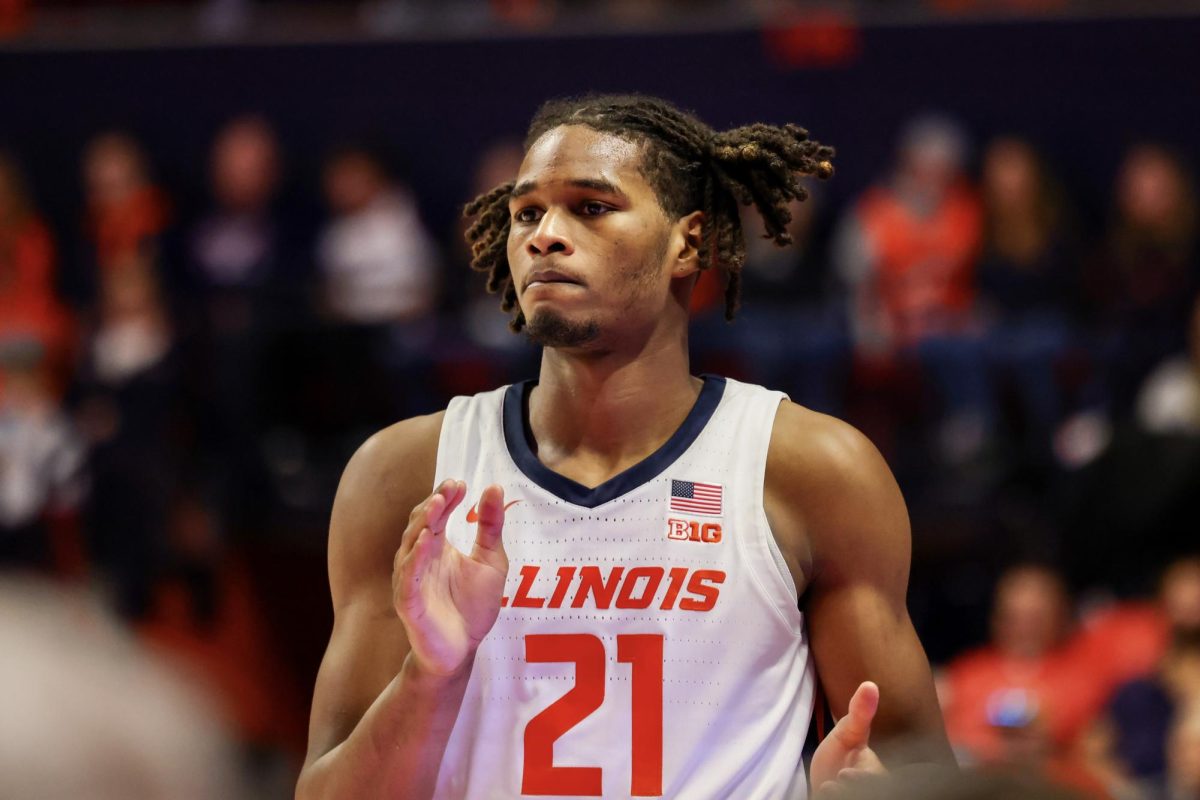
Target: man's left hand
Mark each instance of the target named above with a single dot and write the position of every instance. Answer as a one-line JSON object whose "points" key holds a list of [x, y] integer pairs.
{"points": [[844, 756]]}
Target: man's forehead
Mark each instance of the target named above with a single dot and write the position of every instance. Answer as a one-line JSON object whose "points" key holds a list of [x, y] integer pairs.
{"points": [[571, 152]]}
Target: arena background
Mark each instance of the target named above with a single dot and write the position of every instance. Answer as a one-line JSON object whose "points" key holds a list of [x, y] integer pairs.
{"points": [[193, 506]]}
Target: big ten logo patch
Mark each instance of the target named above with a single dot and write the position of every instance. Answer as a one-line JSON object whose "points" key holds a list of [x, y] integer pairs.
{"points": [[690, 530]]}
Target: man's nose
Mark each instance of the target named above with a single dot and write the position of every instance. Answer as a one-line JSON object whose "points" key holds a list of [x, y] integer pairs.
{"points": [[551, 236]]}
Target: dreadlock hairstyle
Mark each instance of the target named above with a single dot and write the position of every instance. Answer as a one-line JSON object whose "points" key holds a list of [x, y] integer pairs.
{"points": [[689, 165]]}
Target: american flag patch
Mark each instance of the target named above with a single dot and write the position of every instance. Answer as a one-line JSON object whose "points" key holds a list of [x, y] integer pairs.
{"points": [[689, 497]]}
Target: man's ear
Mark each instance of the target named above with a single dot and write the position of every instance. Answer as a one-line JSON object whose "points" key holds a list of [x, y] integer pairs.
{"points": [[688, 235]]}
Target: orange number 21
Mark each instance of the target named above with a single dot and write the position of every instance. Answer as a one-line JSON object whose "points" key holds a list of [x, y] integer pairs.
{"points": [[644, 652]]}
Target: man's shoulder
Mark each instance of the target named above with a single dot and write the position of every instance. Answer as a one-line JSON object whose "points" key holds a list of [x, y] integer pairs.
{"points": [[399, 450], [808, 446], [829, 482], [389, 474], [406, 451]]}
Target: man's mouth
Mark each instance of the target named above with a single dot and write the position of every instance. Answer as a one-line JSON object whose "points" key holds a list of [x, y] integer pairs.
{"points": [[547, 276]]}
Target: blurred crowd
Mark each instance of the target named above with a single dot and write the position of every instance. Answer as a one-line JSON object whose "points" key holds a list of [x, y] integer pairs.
{"points": [[181, 381], [232, 18]]}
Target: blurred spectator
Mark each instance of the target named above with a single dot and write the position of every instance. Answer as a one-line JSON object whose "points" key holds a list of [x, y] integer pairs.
{"points": [[1183, 756], [238, 244], [126, 396], [1142, 284], [1169, 401], [127, 214], [1131, 744], [378, 262], [41, 457], [1127, 745], [380, 271], [908, 252], [909, 246], [1026, 697], [1127, 639], [29, 306], [1027, 280], [1180, 593], [89, 713], [244, 260]]}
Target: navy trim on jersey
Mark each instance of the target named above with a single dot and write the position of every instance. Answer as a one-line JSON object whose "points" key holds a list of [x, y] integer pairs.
{"points": [[520, 446]]}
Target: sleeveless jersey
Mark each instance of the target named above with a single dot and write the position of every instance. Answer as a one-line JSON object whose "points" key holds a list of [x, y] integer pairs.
{"points": [[649, 643]]}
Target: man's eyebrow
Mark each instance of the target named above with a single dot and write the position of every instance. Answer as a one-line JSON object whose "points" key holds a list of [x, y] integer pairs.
{"points": [[596, 184], [523, 188]]}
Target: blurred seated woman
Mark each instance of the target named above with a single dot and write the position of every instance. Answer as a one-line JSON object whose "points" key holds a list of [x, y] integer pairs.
{"points": [[1027, 285]]}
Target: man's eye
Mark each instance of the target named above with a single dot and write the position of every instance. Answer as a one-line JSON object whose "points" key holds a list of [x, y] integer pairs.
{"points": [[594, 208], [527, 214]]}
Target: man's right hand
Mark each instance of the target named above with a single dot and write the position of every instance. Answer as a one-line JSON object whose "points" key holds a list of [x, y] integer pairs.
{"points": [[449, 601]]}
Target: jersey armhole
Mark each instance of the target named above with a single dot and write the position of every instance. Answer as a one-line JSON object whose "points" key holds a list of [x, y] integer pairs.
{"points": [[774, 578], [451, 422]]}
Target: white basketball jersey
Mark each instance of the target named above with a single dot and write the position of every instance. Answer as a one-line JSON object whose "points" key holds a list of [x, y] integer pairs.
{"points": [[649, 644]]}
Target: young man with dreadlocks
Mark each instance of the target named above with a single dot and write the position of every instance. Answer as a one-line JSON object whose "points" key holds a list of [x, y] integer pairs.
{"points": [[634, 632]]}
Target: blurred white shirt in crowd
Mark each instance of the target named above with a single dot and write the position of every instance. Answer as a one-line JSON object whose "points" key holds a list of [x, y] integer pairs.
{"points": [[1170, 399], [379, 263], [41, 464]]}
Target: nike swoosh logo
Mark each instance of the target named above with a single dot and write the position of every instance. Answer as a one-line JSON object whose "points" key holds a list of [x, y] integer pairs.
{"points": [[473, 514]]}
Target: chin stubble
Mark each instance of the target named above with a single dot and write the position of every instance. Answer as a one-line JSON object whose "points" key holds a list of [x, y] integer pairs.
{"points": [[549, 329]]}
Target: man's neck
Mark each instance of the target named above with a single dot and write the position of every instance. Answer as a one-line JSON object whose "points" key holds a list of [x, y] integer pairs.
{"points": [[594, 416]]}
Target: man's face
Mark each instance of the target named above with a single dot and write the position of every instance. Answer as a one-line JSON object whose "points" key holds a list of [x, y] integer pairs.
{"points": [[1030, 613], [352, 181], [112, 170], [245, 167], [1180, 591], [590, 248]]}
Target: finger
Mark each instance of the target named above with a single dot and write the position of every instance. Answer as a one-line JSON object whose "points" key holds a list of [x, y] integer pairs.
{"points": [[854, 729], [418, 518], [437, 543], [489, 546], [417, 522], [453, 495]]}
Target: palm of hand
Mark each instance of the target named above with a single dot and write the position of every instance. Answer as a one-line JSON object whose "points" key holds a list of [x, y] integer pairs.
{"points": [[456, 604], [448, 600]]}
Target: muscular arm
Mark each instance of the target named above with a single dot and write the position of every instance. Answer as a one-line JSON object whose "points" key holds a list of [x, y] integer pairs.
{"points": [[839, 517], [379, 722]]}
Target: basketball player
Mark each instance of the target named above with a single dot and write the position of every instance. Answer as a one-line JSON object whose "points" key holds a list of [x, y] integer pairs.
{"points": [[616, 613]]}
